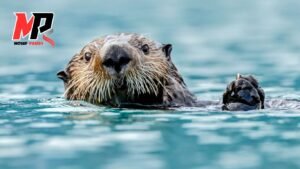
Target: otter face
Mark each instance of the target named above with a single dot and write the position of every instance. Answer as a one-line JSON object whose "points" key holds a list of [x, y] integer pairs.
{"points": [[118, 69], [243, 94]]}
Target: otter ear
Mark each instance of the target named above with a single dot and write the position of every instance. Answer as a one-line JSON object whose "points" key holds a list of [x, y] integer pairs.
{"points": [[167, 49], [63, 76]]}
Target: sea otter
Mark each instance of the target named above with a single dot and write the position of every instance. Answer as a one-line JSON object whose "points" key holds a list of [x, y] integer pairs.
{"points": [[131, 70]]}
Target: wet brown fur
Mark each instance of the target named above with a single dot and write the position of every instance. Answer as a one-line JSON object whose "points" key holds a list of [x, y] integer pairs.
{"points": [[153, 77]]}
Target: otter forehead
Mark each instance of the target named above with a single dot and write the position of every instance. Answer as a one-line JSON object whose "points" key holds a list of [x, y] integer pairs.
{"points": [[125, 38], [122, 38]]}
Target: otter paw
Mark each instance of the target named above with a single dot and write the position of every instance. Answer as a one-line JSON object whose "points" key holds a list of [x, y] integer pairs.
{"points": [[243, 94]]}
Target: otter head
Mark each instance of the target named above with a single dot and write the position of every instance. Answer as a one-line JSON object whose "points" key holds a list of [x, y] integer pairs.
{"points": [[120, 70], [243, 94]]}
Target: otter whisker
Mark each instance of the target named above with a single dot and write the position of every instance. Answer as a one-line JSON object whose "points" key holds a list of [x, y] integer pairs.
{"points": [[149, 82]]}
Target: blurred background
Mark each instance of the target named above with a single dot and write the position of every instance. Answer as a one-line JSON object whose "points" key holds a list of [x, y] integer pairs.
{"points": [[212, 41]]}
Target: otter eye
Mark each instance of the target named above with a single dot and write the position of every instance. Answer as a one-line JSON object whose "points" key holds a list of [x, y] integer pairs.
{"points": [[88, 56], [145, 49]]}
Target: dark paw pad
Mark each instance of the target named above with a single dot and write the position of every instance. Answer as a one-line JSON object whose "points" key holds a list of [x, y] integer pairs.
{"points": [[244, 93]]}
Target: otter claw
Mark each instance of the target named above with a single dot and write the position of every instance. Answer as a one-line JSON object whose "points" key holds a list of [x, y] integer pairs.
{"points": [[238, 76]]}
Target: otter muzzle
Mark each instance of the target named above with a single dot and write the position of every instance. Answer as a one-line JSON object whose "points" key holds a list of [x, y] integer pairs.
{"points": [[116, 60]]}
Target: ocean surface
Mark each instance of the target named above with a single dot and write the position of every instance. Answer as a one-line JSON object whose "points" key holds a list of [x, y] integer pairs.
{"points": [[212, 41]]}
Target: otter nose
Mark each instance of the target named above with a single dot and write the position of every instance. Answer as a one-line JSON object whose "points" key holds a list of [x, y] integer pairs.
{"points": [[116, 58]]}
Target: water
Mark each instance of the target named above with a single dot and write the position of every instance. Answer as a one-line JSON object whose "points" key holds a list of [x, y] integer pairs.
{"points": [[212, 41]]}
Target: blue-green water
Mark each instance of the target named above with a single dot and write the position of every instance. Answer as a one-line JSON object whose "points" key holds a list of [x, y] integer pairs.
{"points": [[212, 41]]}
